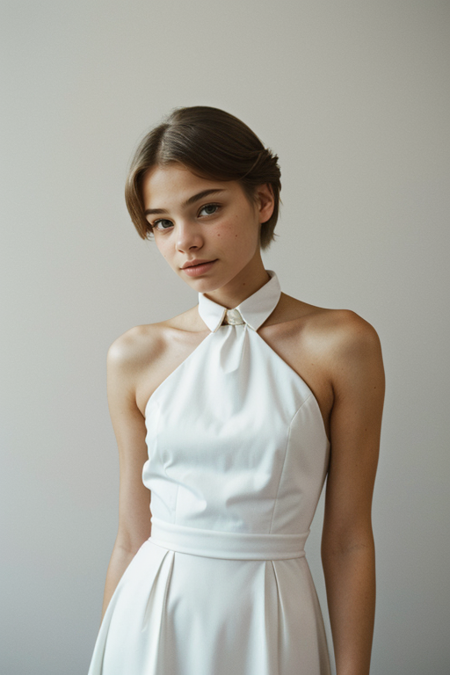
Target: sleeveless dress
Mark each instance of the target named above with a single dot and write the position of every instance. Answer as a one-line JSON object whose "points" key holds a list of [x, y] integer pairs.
{"points": [[237, 458]]}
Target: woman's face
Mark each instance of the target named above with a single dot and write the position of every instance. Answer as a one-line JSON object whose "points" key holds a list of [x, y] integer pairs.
{"points": [[198, 219]]}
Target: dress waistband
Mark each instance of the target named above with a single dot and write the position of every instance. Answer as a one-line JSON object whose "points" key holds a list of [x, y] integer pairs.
{"points": [[227, 545]]}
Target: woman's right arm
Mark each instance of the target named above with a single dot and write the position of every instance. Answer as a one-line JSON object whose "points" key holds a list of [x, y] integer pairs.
{"points": [[124, 362]]}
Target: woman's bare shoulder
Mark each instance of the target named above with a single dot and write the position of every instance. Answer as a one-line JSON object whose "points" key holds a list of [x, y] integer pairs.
{"points": [[141, 344], [344, 328], [336, 325], [333, 338]]}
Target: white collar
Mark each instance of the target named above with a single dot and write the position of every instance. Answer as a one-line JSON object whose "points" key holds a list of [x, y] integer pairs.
{"points": [[254, 310]]}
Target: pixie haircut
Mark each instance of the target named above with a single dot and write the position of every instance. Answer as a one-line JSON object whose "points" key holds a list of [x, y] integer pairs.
{"points": [[212, 144]]}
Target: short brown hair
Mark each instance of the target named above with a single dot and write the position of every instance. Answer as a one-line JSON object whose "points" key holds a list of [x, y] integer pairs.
{"points": [[212, 144]]}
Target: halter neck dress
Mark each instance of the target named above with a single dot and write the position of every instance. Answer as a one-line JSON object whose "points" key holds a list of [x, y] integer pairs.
{"points": [[237, 458]]}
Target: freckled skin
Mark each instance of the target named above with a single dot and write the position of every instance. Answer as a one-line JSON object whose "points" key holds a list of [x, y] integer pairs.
{"points": [[230, 235]]}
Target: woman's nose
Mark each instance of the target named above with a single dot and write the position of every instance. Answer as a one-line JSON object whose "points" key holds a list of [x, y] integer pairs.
{"points": [[188, 236]]}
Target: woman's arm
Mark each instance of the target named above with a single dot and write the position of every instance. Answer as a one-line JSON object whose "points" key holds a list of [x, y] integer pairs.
{"points": [[124, 362], [348, 552]]}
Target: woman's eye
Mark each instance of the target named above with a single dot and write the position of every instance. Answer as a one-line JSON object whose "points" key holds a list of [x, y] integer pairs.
{"points": [[210, 209], [162, 222]]}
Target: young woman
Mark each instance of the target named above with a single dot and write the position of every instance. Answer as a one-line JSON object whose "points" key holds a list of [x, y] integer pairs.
{"points": [[228, 418]]}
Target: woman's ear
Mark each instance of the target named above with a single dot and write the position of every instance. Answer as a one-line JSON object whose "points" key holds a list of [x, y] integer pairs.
{"points": [[265, 201]]}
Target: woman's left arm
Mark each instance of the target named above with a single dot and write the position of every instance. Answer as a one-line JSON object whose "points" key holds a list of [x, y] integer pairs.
{"points": [[348, 551]]}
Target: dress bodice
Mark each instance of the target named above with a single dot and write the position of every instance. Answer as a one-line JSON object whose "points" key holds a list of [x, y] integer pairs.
{"points": [[236, 440]]}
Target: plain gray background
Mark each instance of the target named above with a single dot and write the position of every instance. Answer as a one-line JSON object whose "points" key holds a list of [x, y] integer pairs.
{"points": [[354, 98]]}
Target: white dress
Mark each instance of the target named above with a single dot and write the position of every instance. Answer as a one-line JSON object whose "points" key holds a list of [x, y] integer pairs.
{"points": [[238, 456]]}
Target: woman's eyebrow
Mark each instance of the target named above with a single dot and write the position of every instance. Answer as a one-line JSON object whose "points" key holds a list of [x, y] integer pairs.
{"points": [[188, 202]]}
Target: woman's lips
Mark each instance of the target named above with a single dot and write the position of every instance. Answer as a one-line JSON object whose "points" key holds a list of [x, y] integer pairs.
{"points": [[197, 270]]}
